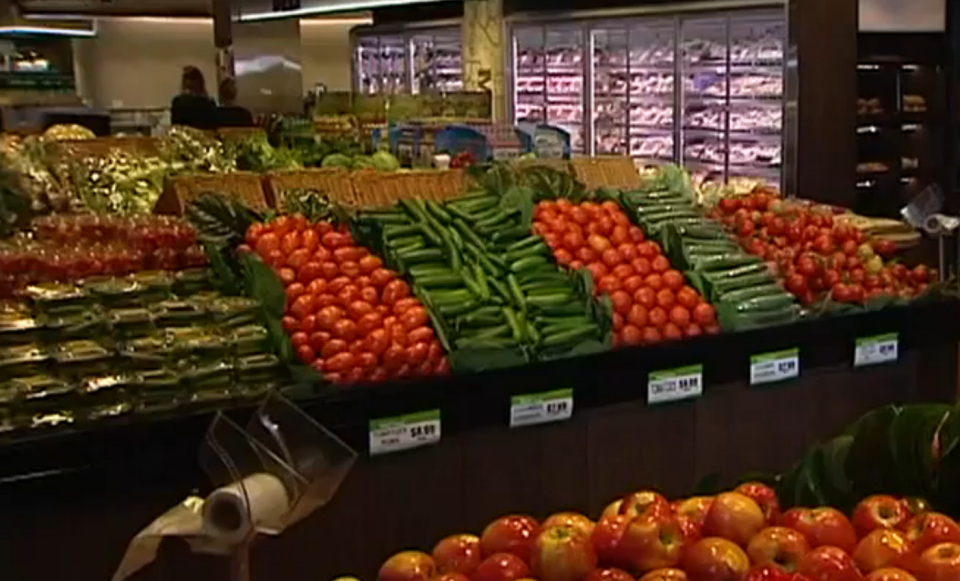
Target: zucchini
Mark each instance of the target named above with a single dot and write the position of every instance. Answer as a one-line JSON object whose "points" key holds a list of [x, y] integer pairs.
{"points": [[529, 263], [501, 290], [398, 230], [440, 281], [467, 233], [720, 287], [531, 240], [552, 300], [516, 294], [414, 208], [432, 234], [420, 256], [429, 269], [510, 234], [570, 335], [751, 292], [458, 309], [540, 249], [490, 332], [765, 303], [516, 326], [439, 213]]}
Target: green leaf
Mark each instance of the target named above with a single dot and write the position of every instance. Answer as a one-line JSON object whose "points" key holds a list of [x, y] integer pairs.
{"points": [[834, 482], [261, 283], [870, 464], [225, 269], [279, 340], [905, 431]]}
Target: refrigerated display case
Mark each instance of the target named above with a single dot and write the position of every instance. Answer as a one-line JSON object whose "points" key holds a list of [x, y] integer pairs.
{"points": [[705, 89], [549, 78], [407, 61]]}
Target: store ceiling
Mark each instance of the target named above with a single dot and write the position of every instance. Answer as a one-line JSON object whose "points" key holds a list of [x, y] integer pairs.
{"points": [[117, 7]]}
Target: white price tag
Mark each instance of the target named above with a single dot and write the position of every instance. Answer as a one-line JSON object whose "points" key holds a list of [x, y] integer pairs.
{"points": [[775, 366], [505, 153], [877, 349], [540, 408], [404, 432], [675, 384]]}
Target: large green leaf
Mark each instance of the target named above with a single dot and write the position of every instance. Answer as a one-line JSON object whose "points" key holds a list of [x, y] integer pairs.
{"points": [[808, 488], [834, 483], [906, 430], [870, 464], [261, 283]]}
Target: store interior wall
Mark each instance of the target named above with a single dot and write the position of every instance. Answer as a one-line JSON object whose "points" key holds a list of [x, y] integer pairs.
{"points": [[136, 62]]}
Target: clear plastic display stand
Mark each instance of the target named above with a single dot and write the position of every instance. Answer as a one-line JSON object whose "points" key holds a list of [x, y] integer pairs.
{"points": [[274, 472]]}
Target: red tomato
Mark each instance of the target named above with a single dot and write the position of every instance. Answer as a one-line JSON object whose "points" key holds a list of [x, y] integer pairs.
{"points": [[796, 284], [660, 264], [597, 269], [693, 330], [290, 324], [348, 294], [638, 316], [651, 335], [658, 317], [671, 332], [394, 291], [680, 316], [369, 264], [317, 286], [622, 301], [340, 363], [632, 283], [622, 271], [920, 274], [290, 242], [573, 241], [576, 265], [704, 315], [377, 341], [303, 306], [631, 335], [673, 280], [310, 272], [416, 354], [327, 317], [287, 276], [587, 255], [619, 235], [394, 357], [647, 249], [370, 294], [841, 293], [350, 268], [402, 305], [666, 298], [381, 276], [563, 256], [628, 251], [306, 354], [414, 317], [276, 259], [608, 284], [654, 281], [298, 258], [330, 270], [688, 297], [421, 334], [299, 338], [294, 291], [333, 347], [618, 321], [345, 329], [358, 309], [308, 324], [646, 296], [326, 300], [598, 243], [369, 322], [309, 240], [333, 240], [267, 244], [642, 266]]}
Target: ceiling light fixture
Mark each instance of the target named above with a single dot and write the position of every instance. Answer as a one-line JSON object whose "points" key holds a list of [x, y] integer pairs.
{"points": [[47, 31], [344, 6]]}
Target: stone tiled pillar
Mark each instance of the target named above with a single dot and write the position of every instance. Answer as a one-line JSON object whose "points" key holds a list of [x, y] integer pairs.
{"points": [[484, 52]]}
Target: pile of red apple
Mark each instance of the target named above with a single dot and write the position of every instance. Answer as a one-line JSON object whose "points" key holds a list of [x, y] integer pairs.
{"points": [[817, 255], [734, 536]]}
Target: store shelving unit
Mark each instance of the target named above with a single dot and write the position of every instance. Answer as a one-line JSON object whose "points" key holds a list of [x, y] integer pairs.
{"points": [[705, 90], [407, 61]]}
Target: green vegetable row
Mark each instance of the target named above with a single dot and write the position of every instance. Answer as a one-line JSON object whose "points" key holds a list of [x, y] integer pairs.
{"points": [[491, 285], [745, 292]]}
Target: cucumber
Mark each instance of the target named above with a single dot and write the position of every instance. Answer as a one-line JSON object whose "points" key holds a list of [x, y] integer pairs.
{"points": [[417, 245], [751, 292], [516, 294], [726, 285], [449, 297], [570, 335], [517, 327], [467, 233], [765, 303], [472, 285], [569, 309], [420, 256], [432, 281], [510, 234], [725, 261], [398, 230], [415, 209], [385, 217], [458, 214], [483, 321], [531, 240], [429, 270], [481, 277], [559, 328], [552, 300], [494, 220], [529, 287], [736, 271], [485, 343], [569, 320], [458, 309], [540, 249], [547, 273], [533, 334], [406, 240], [439, 213], [455, 237], [490, 332], [501, 289], [529, 263]]}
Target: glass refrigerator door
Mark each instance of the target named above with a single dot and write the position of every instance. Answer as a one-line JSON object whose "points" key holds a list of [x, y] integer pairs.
{"points": [[611, 86], [756, 95], [437, 64], [563, 52], [368, 64], [704, 118], [393, 65], [530, 70], [652, 91]]}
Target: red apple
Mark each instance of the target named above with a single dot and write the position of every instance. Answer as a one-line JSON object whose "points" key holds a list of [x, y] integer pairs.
{"points": [[653, 542], [930, 528], [768, 573], [695, 508], [890, 574], [941, 562], [501, 567], [691, 530], [510, 534], [458, 554], [828, 563], [453, 576], [916, 505], [408, 566], [879, 511], [562, 553], [735, 517], [668, 574], [606, 539], [766, 499], [822, 526], [570, 519], [715, 559], [609, 574], [778, 547], [881, 548], [638, 503]]}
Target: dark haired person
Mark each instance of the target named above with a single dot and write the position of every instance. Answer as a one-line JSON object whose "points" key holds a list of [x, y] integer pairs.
{"points": [[193, 106], [229, 114]]}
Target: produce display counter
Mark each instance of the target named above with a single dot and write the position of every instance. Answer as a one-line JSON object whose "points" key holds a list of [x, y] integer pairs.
{"points": [[114, 480]]}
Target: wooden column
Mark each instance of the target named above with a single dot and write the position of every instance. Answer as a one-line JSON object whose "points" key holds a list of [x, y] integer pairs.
{"points": [[484, 52]]}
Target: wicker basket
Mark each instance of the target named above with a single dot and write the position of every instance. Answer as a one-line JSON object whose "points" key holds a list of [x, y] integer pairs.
{"points": [[227, 134], [334, 182], [245, 187], [375, 189], [606, 171], [553, 163], [100, 146]]}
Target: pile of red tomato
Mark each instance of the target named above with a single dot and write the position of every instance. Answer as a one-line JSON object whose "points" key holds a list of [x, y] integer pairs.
{"points": [[817, 255], [651, 300], [347, 315]]}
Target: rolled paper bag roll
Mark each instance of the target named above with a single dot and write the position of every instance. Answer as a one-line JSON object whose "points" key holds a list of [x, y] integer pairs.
{"points": [[441, 161], [932, 224], [232, 516]]}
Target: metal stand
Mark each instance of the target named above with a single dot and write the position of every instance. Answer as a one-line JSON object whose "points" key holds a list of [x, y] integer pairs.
{"points": [[240, 562]]}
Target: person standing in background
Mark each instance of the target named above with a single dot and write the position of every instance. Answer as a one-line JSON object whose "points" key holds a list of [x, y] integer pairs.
{"points": [[229, 114], [193, 106]]}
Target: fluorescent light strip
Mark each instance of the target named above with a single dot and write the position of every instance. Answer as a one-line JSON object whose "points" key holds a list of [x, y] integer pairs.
{"points": [[340, 7], [43, 30]]}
